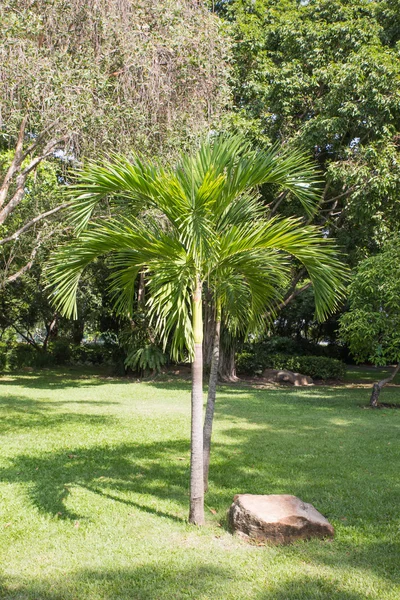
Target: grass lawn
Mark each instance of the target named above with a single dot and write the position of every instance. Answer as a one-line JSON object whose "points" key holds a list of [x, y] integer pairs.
{"points": [[94, 491]]}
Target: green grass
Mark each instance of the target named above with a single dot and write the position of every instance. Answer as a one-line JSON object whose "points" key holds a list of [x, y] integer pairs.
{"points": [[369, 374], [94, 491]]}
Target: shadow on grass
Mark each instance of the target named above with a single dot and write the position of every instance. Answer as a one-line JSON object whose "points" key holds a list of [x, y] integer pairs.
{"points": [[26, 413], [116, 473], [162, 581], [148, 582], [61, 378]]}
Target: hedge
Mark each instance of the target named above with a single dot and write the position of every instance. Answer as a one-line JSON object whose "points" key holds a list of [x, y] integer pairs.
{"points": [[60, 352], [317, 367]]}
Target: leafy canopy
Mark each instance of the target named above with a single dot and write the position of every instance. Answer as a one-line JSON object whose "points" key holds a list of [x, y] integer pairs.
{"points": [[372, 325]]}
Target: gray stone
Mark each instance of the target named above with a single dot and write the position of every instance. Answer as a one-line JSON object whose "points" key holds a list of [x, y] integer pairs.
{"points": [[285, 376], [279, 519]]}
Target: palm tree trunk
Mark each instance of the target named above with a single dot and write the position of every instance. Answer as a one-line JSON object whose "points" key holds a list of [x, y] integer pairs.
{"points": [[212, 390], [196, 513]]}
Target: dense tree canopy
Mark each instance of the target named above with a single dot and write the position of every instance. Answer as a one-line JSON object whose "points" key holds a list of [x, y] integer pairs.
{"points": [[325, 75], [114, 74]]}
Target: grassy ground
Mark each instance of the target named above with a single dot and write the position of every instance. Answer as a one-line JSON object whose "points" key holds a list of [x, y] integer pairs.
{"points": [[94, 478]]}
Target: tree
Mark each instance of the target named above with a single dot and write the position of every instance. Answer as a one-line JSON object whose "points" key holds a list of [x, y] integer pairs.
{"points": [[142, 74], [324, 75], [371, 326], [203, 224], [76, 77]]}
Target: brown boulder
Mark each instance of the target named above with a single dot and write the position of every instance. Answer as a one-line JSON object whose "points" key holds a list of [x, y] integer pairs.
{"points": [[279, 519]]}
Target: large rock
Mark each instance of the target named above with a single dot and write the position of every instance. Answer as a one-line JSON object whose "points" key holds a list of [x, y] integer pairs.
{"points": [[285, 376], [277, 519]]}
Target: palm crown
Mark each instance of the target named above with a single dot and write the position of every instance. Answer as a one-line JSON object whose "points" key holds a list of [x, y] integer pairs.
{"points": [[205, 224]]}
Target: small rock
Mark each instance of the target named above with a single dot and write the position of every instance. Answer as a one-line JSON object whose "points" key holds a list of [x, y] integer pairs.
{"points": [[285, 376], [279, 519]]}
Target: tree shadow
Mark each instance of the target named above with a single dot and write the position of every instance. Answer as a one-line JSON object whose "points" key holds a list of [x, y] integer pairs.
{"points": [[166, 582], [147, 582], [310, 588], [62, 378], [19, 412], [119, 474]]}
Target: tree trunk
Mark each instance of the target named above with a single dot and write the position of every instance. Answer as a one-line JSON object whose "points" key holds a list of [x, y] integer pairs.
{"points": [[377, 388], [209, 329], [227, 367], [141, 291], [212, 390], [196, 513]]}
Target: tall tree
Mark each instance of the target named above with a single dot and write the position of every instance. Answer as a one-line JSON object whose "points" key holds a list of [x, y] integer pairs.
{"points": [[206, 220], [324, 75], [79, 78], [127, 73]]}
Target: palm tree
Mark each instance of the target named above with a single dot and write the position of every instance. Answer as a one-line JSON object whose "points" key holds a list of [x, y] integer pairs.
{"points": [[203, 224]]}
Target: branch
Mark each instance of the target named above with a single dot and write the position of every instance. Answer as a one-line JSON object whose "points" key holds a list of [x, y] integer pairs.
{"points": [[15, 163], [383, 382], [21, 179], [292, 295], [39, 139], [280, 199], [28, 225], [30, 340], [32, 257]]}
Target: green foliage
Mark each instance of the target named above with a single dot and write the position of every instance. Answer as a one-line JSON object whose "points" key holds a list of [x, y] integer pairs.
{"points": [[22, 355], [3, 355], [210, 227], [139, 74], [253, 362], [149, 357], [324, 75], [91, 354], [371, 327]]}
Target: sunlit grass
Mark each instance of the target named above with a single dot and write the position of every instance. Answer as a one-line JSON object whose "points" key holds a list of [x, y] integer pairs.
{"points": [[94, 491]]}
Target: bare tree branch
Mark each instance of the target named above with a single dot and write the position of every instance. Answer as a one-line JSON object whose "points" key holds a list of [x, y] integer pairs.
{"points": [[293, 294], [29, 264], [32, 222], [15, 163], [21, 179]]}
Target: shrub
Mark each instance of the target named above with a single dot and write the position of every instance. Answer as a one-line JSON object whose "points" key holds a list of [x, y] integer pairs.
{"points": [[21, 355], [317, 367], [60, 351], [92, 354], [3, 355], [24, 355], [150, 357]]}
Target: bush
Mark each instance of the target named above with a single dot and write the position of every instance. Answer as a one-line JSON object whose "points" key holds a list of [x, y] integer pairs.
{"points": [[24, 355], [21, 355], [299, 347], [60, 351], [317, 367], [92, 354]]}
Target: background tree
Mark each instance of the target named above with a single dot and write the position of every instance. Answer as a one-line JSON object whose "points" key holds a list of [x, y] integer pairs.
{"points": [[371, 327], [131, 74], [324, 75], [30, 201], [79, 78]]}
